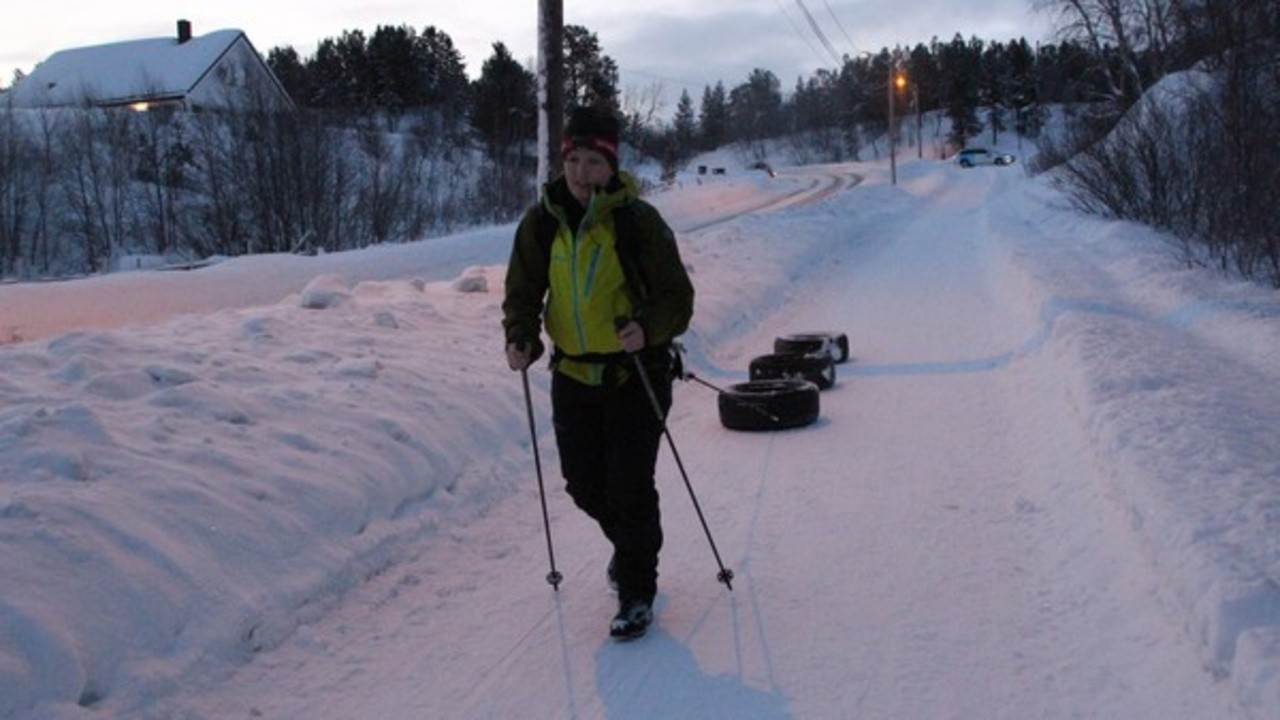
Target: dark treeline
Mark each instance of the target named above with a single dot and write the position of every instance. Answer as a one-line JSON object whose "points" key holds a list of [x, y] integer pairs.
{"points": [[391, 140]]}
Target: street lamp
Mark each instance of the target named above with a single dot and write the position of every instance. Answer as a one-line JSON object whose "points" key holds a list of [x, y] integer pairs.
{"points": [[899, 80]]}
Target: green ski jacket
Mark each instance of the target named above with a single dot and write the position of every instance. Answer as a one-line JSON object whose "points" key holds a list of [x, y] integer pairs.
{"points": [[621, 261]]}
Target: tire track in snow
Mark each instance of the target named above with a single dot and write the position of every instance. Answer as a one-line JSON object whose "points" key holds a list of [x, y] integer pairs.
{"points": [[820, 186]]}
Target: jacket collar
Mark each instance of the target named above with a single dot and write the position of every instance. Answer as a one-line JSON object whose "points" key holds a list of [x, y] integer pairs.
{"points": [[557, 199]]}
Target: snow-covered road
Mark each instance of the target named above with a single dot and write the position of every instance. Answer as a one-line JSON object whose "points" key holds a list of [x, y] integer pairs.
{"points": [[931, 549], [977, 526]]}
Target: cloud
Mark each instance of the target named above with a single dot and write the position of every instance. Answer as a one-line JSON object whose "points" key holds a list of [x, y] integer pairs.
{"points": [[705, 50], [692, 51], [675, 42]]}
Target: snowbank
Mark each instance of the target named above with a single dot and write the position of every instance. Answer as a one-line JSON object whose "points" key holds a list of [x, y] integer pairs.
{"points": [[183, 496], [1178, 393]]}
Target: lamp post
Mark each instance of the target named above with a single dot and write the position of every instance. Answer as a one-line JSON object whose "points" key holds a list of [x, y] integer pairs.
{"points": [[915, 103], [899, 80], [893, 160]]}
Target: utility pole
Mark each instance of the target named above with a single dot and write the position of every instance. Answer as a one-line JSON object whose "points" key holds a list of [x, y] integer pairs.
{"points": [[550, 86], [894, 81], [915, 101]]}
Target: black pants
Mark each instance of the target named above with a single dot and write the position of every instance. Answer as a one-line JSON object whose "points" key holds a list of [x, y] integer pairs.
{"points": [[608, 437]]}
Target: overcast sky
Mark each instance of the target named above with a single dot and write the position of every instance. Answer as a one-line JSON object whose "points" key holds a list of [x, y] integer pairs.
{"points": [[675, 43]]}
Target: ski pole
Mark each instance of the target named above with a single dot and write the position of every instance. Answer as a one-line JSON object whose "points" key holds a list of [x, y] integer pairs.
{"points": [[725, 575], [554, 577]]}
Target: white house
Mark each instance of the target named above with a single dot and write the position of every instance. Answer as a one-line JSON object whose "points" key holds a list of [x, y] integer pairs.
{"points": [[218, 70]]}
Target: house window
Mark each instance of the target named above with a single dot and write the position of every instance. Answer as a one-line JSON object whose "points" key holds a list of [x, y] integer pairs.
{"points": [[230, 75]]}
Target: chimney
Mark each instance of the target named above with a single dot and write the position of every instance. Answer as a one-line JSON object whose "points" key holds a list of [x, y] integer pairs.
{"points": [[184, 31]]}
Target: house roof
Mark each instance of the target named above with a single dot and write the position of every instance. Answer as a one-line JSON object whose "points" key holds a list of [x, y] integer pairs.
{"points": [[123, 72]]}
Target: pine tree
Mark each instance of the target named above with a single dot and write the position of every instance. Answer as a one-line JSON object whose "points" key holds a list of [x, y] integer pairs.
{"points": [[995, 84], [291, 72], [1023, 98], [396, 83], [503, 102], [961, 78], [755, 107], [590, 76], [503, 117], [445, 83], [340, 75], [684, 130], [713, 117]]}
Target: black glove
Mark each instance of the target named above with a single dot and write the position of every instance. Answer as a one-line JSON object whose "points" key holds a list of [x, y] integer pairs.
{"points": [[523, 353], [534, 347]]}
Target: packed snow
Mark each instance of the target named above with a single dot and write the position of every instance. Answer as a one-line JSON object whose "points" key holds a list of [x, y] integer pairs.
{"points": [[1047, 483]]}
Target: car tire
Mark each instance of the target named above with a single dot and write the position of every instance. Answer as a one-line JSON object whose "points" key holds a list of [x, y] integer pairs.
{"points": [[836, 345], [818, 368], [769, 405]]}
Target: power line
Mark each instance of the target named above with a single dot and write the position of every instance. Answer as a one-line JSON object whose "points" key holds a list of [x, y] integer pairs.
{"points": [[852, 45], [678, 81], [796, 28], [818, 31]]}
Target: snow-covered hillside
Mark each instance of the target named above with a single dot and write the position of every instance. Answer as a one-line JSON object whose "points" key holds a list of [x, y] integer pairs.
{"points": [[1047, 485]]}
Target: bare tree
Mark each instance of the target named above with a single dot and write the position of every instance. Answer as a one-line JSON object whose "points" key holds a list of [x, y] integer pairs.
{"points": [[1106, 27], [97, 144], [642, 106], [15, 155], [163, 158], [1195, 156]]}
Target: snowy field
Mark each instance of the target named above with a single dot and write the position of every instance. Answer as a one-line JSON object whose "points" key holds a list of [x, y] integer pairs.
{"points": [[1047, 485]]}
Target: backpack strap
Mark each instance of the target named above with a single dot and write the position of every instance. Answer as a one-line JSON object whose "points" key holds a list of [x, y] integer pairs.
{"points": [[547, 227], [626, 229]]}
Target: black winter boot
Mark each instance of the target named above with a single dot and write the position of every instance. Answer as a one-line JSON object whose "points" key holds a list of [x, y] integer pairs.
{"points": [[632, 621]]}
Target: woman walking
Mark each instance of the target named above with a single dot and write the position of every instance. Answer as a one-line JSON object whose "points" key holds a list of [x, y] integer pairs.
{"points": [[599, 269]]}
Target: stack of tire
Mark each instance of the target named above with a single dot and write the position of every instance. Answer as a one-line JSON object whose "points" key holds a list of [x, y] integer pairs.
{"points": [[783, 388]]}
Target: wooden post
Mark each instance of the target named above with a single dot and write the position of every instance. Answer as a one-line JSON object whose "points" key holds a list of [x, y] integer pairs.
{"points": [[550, 87]]}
